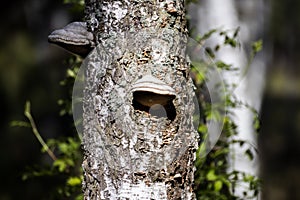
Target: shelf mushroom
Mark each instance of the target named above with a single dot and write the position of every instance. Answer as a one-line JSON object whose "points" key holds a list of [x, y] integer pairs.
{"points": [[154, 96], [74, 37]]}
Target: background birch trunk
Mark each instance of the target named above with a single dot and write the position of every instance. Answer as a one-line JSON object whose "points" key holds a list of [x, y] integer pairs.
{"points": [[250, 17]]}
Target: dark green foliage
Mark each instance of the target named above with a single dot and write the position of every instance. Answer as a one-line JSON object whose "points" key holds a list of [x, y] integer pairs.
{"points": [[73, 67], [65, 168]]}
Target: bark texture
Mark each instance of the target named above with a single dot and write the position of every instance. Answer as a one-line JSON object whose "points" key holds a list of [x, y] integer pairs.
{"points": [[139, 140]]}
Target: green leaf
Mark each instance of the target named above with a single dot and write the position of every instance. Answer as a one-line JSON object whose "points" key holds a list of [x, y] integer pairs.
{"points": [[214, 115], [71, 73], [60, 102], [256, 124], [257, 46], [236, 32], [230, 41], [64, 147], [63, 164], [202, 128], [73, 181], [222, 65], [210, 52], [79, 197], [80, 2], [218, 185], [60, 164], [211, 175], [206, 35], [17, 123], [249, 153], [52, 143], [217, 47], [24, 177], [200, 154]]}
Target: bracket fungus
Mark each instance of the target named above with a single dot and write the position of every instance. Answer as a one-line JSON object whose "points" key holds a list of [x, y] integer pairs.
{"points": [[74, 37], [154, 96]]}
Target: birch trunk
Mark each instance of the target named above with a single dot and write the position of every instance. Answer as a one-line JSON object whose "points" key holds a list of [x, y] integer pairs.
{"points": [[249, 16], [138, 136]]}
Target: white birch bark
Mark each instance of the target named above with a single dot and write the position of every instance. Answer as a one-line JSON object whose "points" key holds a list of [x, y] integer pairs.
{"points": [[138, 136], [139, 140], [228, 15]]}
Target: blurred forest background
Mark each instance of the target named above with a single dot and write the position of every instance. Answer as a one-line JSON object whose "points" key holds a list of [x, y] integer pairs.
{"points": [[31, 69]]}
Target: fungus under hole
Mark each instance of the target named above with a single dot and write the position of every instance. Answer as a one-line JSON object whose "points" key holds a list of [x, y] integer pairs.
{"points": [[155, 104]]}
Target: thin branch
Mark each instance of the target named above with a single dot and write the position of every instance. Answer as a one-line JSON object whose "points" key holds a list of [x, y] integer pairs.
{"points": [[35, 131]]}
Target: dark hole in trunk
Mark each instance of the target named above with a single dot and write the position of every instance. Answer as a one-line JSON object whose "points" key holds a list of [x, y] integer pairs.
{"points": [[155, 104]]}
